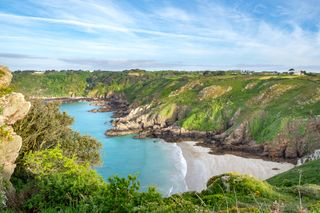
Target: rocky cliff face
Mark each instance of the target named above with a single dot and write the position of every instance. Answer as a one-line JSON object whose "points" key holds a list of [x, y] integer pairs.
{"points": [[13, 108], [138, 119], [292, 144]]}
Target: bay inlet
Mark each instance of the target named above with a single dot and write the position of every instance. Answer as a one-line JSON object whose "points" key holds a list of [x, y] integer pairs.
{"points": [[153, 161], [170, 167]]}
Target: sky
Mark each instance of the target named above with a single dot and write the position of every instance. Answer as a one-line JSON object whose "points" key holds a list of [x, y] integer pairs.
{"points": [[160, 34]]}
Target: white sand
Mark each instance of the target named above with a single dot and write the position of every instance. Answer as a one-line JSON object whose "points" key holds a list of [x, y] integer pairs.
{"points": [[201, 165]]}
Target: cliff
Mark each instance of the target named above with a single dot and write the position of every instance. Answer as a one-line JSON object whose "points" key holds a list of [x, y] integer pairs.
{"points": [[271, 115], [13, 108]]}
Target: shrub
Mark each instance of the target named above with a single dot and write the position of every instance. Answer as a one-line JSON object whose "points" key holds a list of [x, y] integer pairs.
{"points": [[60, 180]]}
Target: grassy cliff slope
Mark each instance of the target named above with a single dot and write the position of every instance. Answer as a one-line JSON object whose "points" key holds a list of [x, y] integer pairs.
{"points": [[280, 110]]}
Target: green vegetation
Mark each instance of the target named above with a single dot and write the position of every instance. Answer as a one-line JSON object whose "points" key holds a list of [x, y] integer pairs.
{"points": [[211, 98], [46, 127], [52, 84], [54, 169], [310, 174], [61, 184]]}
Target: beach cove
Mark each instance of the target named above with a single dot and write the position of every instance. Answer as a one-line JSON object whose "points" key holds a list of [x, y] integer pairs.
{"points": [[171, 167]]}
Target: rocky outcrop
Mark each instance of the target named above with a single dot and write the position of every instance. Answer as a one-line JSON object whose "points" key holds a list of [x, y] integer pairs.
{"points": [[147, 122], [161, 120], [214, 91], [293, 143], [5, 76], [238, 136], [13, 108], [310, 157], [138, 119]]}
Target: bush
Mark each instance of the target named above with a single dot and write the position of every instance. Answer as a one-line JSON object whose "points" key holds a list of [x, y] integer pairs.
{"points": [[46, 127], [60, 180]]}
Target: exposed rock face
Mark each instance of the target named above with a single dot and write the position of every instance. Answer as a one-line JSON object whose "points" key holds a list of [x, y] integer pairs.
{"points": [[9, 151], [213, 92], [5, 76], [294, 144], [313, 156], [238, 136], [14, 107], [161, 120], [138, 119], [144, 121]]}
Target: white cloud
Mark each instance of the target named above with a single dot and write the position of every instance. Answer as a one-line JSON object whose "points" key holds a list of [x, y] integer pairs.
{"points": [[214, 34], [174, 14]]}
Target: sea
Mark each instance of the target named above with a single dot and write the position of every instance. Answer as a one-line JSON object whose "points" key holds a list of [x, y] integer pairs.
{"points": [[153, 161]]}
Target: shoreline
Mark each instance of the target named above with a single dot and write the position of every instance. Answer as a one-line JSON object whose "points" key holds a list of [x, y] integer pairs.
{"points": [[120, 108], [67, 99], [202, 165]]}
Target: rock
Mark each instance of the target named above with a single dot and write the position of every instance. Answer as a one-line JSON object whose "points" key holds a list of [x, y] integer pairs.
{"points": [[15, 107], [5, 76], [238, 136], [9, 151], [105, 108], [313, 156], [212, 92], [114, 132]]}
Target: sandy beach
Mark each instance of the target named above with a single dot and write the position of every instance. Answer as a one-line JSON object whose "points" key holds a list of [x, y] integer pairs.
{"points": [[201, 165]]}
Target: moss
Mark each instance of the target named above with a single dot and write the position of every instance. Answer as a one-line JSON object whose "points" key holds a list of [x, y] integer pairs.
{"points": [[5, 91], [168, 110], [240, 184], [5, 133]]}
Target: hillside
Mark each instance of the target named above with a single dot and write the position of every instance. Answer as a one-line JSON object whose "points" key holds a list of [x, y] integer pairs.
{"points": [[310, 174], [272, 115], [56, 159]]}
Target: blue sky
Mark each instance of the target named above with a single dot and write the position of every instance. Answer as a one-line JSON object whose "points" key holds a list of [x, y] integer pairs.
{"points": [[160, 34]]}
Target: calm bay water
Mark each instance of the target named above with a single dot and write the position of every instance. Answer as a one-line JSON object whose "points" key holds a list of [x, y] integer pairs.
{"points": [[153, 161]]}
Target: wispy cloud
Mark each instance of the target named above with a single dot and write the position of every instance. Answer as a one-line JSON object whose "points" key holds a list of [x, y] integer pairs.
{"points": [[117, 64], [158, 34], [174, 14], [19, 56]]}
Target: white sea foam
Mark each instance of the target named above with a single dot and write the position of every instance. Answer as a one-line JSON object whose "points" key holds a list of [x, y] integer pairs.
{"points": [[184, 166], [179, 168]]}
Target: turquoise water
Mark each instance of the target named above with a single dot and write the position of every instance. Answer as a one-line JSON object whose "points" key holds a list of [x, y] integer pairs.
{"points": [[153, 161]]}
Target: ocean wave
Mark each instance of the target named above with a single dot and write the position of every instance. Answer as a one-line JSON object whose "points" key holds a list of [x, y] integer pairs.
{"points": [[181, 169]]}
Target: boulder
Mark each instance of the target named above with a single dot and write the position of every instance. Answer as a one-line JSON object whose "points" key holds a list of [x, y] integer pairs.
{"points": [[9, 151], [15, 107], [5, 77]]}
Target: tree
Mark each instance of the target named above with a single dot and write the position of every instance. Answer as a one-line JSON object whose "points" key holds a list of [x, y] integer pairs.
{"points": [[46, 127]]}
